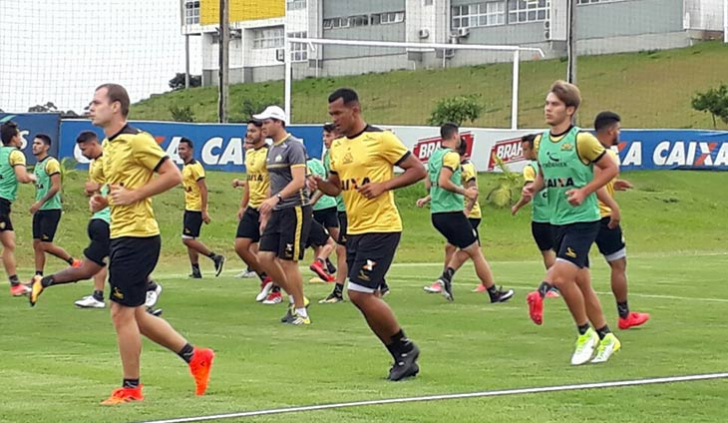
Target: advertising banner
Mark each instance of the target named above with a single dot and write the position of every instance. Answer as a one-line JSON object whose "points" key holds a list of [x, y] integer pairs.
{"points": [[31, 124]]}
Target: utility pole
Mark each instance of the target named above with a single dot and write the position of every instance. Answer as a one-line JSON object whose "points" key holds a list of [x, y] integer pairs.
{"points": [[222, 112]]}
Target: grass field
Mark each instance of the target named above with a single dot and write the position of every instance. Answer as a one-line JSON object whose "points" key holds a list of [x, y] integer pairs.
{"points": [[649, 89], [59, 361]]}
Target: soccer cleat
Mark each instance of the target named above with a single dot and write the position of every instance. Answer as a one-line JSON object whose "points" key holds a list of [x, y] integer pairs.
{"points": [[124, 395], [89, 302], [36, 288], [405, 366], [246, 274], [446, 286], [200, 368], [585, 345], [435, 288], [265, 287], [333, 298], [219, 261], [553, 293], [273, 298], [154, 311], [480, 288], [195, 275], [607, 347], [299, 320], [76, 263], [289, 316], [502, 296], [318, 268], [19, 290], [535, 307], [633, 319], [153, 296]]}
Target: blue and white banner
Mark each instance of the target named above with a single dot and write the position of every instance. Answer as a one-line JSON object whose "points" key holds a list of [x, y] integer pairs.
{"points": [[667, 149], [32, 124]]}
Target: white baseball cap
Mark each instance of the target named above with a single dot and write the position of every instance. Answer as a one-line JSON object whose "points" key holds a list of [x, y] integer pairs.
{"points": [[272, 112]]}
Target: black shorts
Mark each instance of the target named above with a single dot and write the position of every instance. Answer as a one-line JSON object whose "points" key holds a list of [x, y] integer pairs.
{"points": [[286, 232], [317, 235], [45, 224], [456, 228], [369, 257], [543, 234], [610, 241], [474, 222], [98, 249], [343, 225], [5, 223], [192, 224], [131, 261], [249, 225], [574, 241], [326, 217]]}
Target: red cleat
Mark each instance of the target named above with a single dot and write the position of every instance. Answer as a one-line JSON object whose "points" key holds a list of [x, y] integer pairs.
{"points": [[552, 294], [124, 395], [76, 263], [480, 288], [200, 368], [318, 268], [435, 288], [19, 290], [633, 319], [535, 307]]}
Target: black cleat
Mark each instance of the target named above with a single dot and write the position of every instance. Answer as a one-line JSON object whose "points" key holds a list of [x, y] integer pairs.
{"points": [[406, 366], [154, 311], [502, 296], [288, 318], [446, 289], [195, 275], [219, 264]]}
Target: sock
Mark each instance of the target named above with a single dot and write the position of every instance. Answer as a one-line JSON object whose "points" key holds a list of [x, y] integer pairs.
{"points": [[339, 290], [47, 281], [196, 268], [329, 263], [130, 383], [493, 292], [212, 255], [38, 273], [448, 274], [623, 310], [583, 328], [262, 276], [14, 280], [98, 295], [603, 332], [544, 288], [322, 261], [302, 312], [290, 299], [276, 288], [152, 286], [400, 344], [70, 261], [186, 353]]}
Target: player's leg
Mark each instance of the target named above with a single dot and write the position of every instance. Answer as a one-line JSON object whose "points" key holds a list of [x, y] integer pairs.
{"points": [[49, 221], [96, 253], [608, 343], [457, 231], [7, 238], [324, 246], [337, 295], [295, 231], [269, 248], [38, 251]]}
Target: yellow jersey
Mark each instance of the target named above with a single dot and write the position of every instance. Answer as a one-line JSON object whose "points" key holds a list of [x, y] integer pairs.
{"points": [[368, 157], [605, 211], [130, 159], [192, 173], [470, 174], [257, 175]]}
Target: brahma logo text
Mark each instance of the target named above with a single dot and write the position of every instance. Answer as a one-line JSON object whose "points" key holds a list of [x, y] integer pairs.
{"points": [[425, 147], [508, 151]]}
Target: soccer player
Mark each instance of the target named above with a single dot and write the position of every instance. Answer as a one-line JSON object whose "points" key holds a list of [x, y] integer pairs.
{"points": [[257, 187], [450, 218], [46, 210], [12, 172], [285, 216], [193, 176], [362, 170], [94, 264], [131, 157], [610, 241], [567, 157], [324, 218]]}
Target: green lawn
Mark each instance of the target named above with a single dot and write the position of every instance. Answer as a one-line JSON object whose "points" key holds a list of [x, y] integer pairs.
{"points": [[649, 89]]}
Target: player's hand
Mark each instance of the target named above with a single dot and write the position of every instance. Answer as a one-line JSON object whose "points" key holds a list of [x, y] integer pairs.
{"points": [[121, 196], [33, 178], [471, 193], [206, 217], [91, 187], [421, 202], [236, 183], [621, 185], [372, 190], [35, 207], [614, 219], [241, 212], [575, 196], [264, 217], [312, 182], [514, 210], [527, 192], [268, 205], [97, 203]]}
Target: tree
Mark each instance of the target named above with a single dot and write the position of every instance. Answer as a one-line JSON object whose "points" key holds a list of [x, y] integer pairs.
{"points": [[50, 107], [713, 101], [251, 106], [178, 82], [458, 110], [182, 114]]}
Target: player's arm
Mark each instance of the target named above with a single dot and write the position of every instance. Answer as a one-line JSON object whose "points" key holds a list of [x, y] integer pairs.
{"points": [[316, 196], [17, 161], [589, 149], [169, 177], [616, 215], [529, 176], [472, 183], [426, 199], [53, 169], [203, 198], [622, 185], [329, 186], [297, 163]]}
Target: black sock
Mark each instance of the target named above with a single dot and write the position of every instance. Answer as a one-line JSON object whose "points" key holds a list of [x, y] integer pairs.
{"points": [[603, 332], [47, 281], [212, 255], [130, 383], [196, 268], [14, 280], [544, 288], [276, 288], [39, 273], [262, 276], [493, 292], [339, 290], [98, 295], [186, 353], [623, 309], [448, 274], [152, 286], [400, 344], [70, 261], [583, 328], [328, 262]]}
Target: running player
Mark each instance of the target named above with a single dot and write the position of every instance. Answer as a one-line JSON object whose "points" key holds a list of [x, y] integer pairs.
{"points": [[449, 215], [362, 169], [131, 158], [610, 241], [46, 210], [193, 175], [12, 172], [566, 158], [285, 216], [324, 215]]}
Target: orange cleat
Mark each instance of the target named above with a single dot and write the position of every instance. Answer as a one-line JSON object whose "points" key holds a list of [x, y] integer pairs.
{"points": [[633, 319], [318, 268], [19, 290], [535, 307], [200, 368], [435, 288], [76, 263], [124, 395], [480, 288]]}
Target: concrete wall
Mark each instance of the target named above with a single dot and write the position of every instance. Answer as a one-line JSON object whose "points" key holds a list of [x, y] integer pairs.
{"points": [[631, 17]]}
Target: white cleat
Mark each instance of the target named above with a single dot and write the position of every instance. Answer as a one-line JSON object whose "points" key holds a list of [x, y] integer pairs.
{"points": [[246, 274], [585, 346], [263, 294], [607, 347], [153, 296], [90, 302]]}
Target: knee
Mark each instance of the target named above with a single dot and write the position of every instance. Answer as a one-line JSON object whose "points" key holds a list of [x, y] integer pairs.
{"points": [[619, 266], [187, 241], [121, 315], [37, 245]]}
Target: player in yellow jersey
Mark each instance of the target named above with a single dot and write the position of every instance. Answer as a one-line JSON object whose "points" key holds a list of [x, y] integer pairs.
{"points": [[193, 180], [131, 158], [362, 170], [610, 241]]}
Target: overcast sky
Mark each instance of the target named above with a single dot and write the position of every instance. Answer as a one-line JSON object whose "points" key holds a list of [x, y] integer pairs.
{"points": [[60, 50]]}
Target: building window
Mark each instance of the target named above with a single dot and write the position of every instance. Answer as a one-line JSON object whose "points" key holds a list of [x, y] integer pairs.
{"points": [[295, 5], [521, 11], [480, 14], [192, 12], [360, 20], [391, 17], [299, 51], [593, 1], [428, 3], [334, 23], [364, 20], [268, 38]]}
